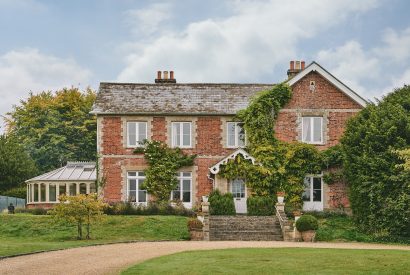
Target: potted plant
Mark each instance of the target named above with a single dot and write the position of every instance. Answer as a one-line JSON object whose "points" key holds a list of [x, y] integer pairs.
{"points": [[307, 225], [281, 196]]}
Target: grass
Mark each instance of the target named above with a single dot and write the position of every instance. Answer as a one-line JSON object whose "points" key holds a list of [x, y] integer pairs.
{"points": [[278, 261], [23, 233]]}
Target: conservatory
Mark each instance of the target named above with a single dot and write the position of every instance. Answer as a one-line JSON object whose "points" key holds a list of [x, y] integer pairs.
{"points": [[72, 179]]}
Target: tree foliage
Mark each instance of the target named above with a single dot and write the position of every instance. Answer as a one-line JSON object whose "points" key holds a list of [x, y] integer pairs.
{"points": [[16, 165], [79, 210], [55, 127], [164, 162], [379, 182]]}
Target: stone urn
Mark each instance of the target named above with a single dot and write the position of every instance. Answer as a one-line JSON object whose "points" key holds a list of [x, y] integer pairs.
{"points": [[281, 196], [308, 236]]}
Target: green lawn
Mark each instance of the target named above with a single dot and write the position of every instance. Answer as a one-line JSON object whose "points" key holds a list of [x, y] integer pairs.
{"points": [[278, 261], [22, 233]]}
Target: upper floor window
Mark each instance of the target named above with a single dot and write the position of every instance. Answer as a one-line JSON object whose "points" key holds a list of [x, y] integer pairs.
{"points": [[181, 134], [136, 133], [135, 193], [236, 134], [312, 130]]}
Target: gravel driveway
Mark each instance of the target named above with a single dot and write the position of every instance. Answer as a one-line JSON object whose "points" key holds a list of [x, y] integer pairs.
{"points": [[110, 259]]}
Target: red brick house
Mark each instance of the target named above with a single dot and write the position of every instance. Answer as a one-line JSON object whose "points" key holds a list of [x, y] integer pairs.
{"points": [[197, 117]]}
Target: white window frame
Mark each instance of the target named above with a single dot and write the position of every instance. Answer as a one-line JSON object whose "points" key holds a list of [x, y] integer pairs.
{"points": [[181, 134], [136, 133], [311, 176], [181, 178], [137, 177], [312, 130], [237, 129]]}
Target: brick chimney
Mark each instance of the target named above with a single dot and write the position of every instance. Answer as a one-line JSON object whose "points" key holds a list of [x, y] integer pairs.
{"points": [[295, 67], [162, 77]]}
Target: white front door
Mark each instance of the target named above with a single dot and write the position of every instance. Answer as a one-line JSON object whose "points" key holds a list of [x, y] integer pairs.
{"points": [[238, 190], [313, 194]]}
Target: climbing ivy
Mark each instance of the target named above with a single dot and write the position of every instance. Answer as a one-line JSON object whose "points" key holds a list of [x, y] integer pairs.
{"points": [[280, 166], [164, 162]]}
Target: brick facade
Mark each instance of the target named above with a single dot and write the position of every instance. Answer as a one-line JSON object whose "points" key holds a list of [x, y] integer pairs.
{"points": [[209, 138]]}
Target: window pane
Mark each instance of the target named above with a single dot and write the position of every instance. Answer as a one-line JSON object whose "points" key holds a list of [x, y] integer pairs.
{"points": [[142, 196], [132, 185], [306, 192], [73, 189], [132, 196], [176, 195], [186, 174], [317, 183], [186, 134], [175, 134], [231, 134], [43, 192], [93, 188], [132, 132], [317, 195], [186, 185], [35, 186], [62, 189], [141, 174], [83, 188], [52, 192], [317, 129], [142, 131], [241, 135], [306, 127], [186, 197], [132, 174]]}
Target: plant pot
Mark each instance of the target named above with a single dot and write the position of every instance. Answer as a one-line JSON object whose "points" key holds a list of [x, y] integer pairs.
{"points": [[308, 236], [196, 234], [297, 213], [281, 196], [205, 198], [281, 199]]}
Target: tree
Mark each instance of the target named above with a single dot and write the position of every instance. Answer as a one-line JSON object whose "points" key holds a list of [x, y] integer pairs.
{"points": [[379, 183], [16, 165], [55, 127], [79, 210]]}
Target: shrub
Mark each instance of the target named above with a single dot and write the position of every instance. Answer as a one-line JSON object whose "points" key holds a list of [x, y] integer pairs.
{"points": [[194, 224], [221, 204], [307, 222], [33, 211], [17, 192], [378, 179], [153, 208], [260, 206]]}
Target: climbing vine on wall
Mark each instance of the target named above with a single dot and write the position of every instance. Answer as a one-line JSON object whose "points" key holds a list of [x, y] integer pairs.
{"points": [[164, 163]]}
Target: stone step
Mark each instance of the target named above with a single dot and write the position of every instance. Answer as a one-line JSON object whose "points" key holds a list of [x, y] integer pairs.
{"points": [[246, 236]]}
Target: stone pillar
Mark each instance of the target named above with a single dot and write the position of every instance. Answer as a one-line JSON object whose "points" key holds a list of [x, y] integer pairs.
{"points": [[32, 192], [47, 192], [67, 189], [57, 191], [39, 191], [88, 188], [77, 188], [280, 206], [205, 212]]}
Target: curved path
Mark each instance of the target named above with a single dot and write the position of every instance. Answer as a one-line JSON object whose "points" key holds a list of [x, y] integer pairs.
{"points": [[110, 259]]}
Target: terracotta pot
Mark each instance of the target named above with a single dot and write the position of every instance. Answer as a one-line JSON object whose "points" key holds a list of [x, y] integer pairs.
{"points": [[196, 234], [308, 236]]}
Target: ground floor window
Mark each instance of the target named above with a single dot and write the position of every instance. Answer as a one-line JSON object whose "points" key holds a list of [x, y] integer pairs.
{"points": [[238, 188], [313, 189], [184, 188], [52, 192], [135, 193]]}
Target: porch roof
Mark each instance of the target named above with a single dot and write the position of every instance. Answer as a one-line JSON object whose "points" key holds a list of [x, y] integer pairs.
{"points": [[215, 169]]}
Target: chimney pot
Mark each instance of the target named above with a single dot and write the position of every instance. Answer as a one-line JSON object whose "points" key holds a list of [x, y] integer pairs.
{"points": [[303, 65], [171, 75], [159, 74], [292, 65], [165, 74]]}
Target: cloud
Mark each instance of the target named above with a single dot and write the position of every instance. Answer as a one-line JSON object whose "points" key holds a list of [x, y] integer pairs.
{"points": [[148, 20], [375, 71], [22, 71], [243, 47]]}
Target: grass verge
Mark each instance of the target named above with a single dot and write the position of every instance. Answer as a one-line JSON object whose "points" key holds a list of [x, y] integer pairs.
{"points": [[277, 261], [24, 233]]}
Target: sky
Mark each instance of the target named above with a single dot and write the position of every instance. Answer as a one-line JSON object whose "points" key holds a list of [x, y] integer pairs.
{"points": [[48, 45]]}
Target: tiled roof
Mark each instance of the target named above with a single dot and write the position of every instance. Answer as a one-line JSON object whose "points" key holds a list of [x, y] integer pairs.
{"points": [[73, 171], [178, 99]]}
